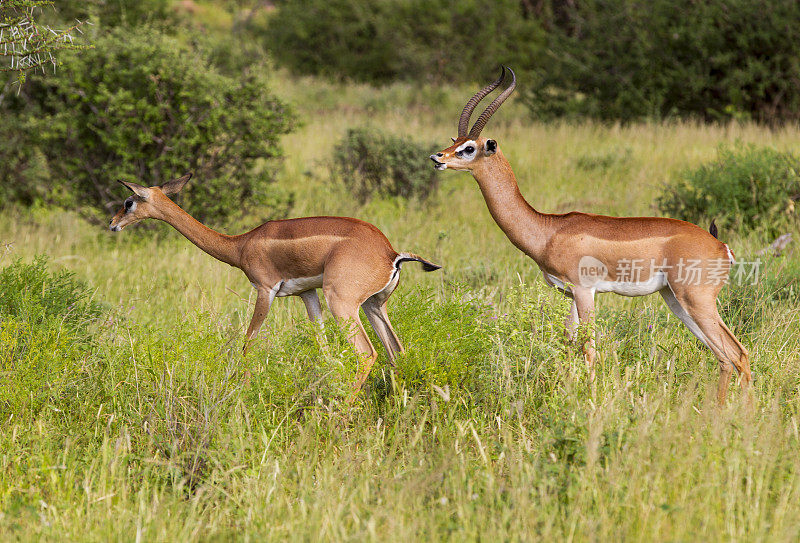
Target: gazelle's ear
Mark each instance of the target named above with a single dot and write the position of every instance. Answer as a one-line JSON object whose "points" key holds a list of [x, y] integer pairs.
{"points": [[490, 148], [454, 140], [174, 187], [138, 190]]}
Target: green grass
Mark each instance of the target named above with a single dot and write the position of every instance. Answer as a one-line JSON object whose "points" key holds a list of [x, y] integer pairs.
{"points": [[144, 422]]}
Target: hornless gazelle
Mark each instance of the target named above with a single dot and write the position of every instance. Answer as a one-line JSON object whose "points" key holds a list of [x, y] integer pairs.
{"points": [[350, 259], [582, 253]]}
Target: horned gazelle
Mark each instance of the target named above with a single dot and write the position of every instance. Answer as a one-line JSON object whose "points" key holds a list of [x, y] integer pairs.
{"points": [[351, 260], [582, 254]]}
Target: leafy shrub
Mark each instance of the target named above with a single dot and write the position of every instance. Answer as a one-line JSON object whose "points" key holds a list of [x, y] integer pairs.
{"points": [[745, 189], [111, 13], [371, 163], [24, 177], [446, 345], [408, 39], [456, 344], [144, 107], [338, 38], [32, 293], [44, 333], [629, 59], [756, 288]]}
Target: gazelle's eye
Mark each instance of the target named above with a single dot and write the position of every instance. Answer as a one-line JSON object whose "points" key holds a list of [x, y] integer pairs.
{"points": [[128, 205], [469, 150]]}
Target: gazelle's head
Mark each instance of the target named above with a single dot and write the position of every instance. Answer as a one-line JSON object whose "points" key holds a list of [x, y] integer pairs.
{"points": [[145, 202], [469, 148]]}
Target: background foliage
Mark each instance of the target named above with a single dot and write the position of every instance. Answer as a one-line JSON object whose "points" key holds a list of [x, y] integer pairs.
{"points": [[143, 106], [140, 414], [390, 39], [189, 88], [632, 59], [373, 164], [747, 188], [604, 59]]}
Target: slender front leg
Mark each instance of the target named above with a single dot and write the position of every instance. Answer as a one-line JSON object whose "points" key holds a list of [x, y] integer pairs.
{"points": [[314, 310], [571, 323], [263, 302], [584, 304]]}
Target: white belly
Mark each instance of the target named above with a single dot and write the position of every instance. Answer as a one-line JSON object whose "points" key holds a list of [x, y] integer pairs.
{"points": [[289, 287], [656, 282], [643, 288]]}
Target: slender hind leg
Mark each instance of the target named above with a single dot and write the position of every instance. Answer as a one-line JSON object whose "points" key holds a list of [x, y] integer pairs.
{"points": [[348, 282], [398, 346], [379, 319], [346, 312], [698, 311]]}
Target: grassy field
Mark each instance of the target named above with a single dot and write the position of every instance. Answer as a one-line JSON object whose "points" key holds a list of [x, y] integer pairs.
{"points": [[128, 416]]}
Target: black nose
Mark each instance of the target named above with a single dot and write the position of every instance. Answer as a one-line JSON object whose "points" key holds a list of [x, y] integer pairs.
{"points": [[439, 154]]}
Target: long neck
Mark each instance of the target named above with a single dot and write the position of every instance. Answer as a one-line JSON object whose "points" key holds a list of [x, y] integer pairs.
{"points": [[528, 229], [220, 246]]}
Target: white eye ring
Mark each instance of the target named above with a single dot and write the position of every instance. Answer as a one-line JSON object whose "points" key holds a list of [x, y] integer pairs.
{"points": [[466, 149]]}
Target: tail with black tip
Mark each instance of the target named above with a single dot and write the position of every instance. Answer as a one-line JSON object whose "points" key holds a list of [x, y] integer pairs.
{"points": [[427, 265], [713, 229]]}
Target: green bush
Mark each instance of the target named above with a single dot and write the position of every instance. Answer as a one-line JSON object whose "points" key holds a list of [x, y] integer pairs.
{"points": [[745, 189], [457, 341], [631, 59], [142, 106], [758, 286], [34, 294], [111, 13], [370, 163], [378, 41], [337, 38], [45, 334], [24, 176]]}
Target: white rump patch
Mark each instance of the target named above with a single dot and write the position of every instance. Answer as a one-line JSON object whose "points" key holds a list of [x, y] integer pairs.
{"points": [[383, 294], [730, 254]]}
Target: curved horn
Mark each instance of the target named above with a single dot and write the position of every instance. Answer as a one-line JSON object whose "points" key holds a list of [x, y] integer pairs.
{"points": [[489, 111], [463, 121]]}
